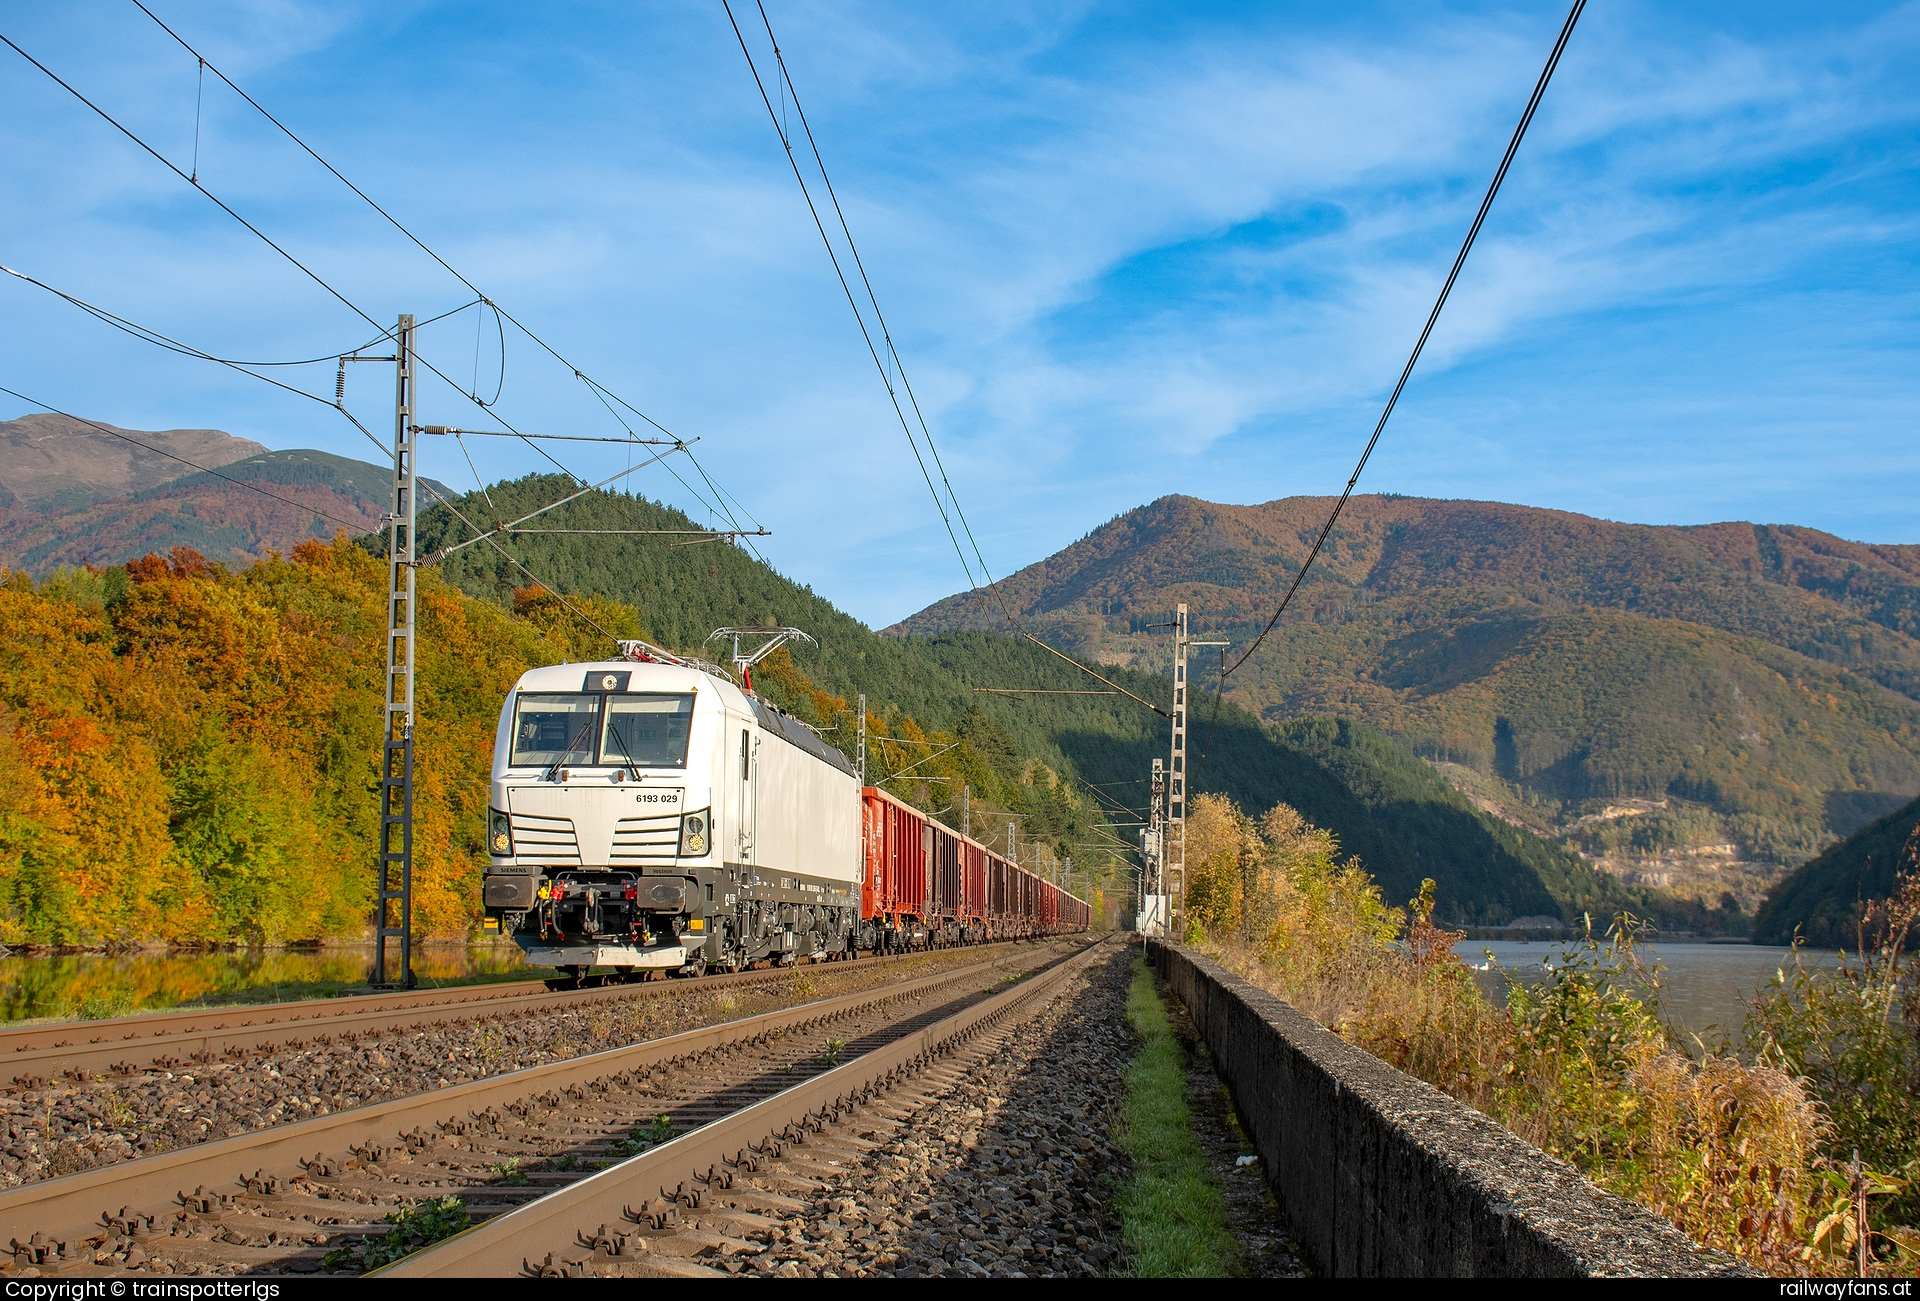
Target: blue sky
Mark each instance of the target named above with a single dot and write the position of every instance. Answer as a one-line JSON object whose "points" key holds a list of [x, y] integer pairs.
{"points": [[1125, 249]]}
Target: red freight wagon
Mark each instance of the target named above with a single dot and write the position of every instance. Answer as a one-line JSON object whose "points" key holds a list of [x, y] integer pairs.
{"points": [[927, 885], [943, 852], [973, 884], [893, 898]]}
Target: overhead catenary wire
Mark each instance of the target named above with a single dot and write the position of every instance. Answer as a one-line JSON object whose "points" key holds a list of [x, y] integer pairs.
{"points": [[192, 178], [393, 221], [309, 272], [880, 319], [407, 355], [501, 315], [720, 497], [893, 395], [510, 527], [194, 182], [188, 349], [702, 534], [1040, 691], [161, 451], [859, 317], [386, 332], [632, 440], [715, 508], [1446, 288], [599, 389], [507, 556], [351, 524], [148, 335], [853, 248]]}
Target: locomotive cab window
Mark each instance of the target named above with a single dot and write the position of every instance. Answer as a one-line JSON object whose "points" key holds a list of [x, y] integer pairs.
{"points": [[647, 731], [550, 728], [643, 730]]}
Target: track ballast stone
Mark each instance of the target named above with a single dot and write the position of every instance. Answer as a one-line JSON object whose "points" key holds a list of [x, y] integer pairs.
{"points": [[996, 1163], [68, 1124]]}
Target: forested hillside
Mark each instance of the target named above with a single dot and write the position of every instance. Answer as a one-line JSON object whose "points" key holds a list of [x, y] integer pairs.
{"points": [[188, 752], [85, 498], [1385, 805], [1822, 900], [1765, 676]]}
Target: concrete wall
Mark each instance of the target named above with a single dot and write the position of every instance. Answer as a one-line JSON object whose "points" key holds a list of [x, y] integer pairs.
{"points": [[1381, 1174]]}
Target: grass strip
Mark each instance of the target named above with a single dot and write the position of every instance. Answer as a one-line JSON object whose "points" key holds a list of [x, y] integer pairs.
{"points": [[1173, 1217]]}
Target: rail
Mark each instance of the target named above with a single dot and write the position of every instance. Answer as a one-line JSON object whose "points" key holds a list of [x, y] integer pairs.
{"points": [[85, 1205], [567, 1223]]}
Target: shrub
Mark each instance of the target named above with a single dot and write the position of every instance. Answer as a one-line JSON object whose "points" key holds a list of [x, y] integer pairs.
{"points": [[1799, 1153], [1852, 1032]]}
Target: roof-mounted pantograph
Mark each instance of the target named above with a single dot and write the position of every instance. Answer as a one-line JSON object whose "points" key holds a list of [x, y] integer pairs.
{"points": [[772, 640]]}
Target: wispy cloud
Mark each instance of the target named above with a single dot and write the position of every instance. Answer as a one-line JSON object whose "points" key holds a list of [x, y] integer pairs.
{"points": [[1124, 252]]}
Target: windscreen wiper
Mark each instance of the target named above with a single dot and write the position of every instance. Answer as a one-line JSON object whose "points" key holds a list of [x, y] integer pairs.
{"points": [[553, 773]]}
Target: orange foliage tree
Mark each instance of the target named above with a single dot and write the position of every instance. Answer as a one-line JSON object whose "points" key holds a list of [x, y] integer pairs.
{"points": [[190, 755]]}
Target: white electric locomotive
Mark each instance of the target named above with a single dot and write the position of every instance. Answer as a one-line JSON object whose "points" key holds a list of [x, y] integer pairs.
{"points": [[648, 814]]}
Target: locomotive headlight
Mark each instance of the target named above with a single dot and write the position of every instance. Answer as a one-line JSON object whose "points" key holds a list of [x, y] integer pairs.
{"points": [[499, 834], [693, 834]]}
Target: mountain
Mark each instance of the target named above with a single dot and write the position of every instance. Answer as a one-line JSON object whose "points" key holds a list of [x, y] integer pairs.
{"points": [[1696, 706], [1387, 806], [1822, 899], [77, 496], [188, 750], [50, 462]]}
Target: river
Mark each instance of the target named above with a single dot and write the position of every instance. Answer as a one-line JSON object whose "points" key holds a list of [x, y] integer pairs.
{"points": [[93, 985], [1705, 986]]}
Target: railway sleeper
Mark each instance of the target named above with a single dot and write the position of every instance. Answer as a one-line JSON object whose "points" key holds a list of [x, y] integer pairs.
{"points": [[303, 1211], [767, 1161]]}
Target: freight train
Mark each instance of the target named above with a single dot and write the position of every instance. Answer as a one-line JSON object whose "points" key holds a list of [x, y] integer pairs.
{"points": [[648, 815]]}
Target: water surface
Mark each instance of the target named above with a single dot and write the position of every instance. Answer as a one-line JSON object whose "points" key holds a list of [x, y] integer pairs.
{"points": [[1705, 986], [92, 985]]}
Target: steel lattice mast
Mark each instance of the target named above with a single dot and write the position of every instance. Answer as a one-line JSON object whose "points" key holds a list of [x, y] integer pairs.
{"points": [[396, 771]]}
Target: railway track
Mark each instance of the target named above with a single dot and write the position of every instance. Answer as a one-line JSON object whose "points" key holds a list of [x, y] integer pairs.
{"points": [[32, 1054], [293, 1197], [705, 1190]]}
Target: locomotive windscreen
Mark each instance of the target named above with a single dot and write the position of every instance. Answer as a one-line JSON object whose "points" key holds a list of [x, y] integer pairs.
{"points": [[639, 731], [647, 731], [551, 729]]}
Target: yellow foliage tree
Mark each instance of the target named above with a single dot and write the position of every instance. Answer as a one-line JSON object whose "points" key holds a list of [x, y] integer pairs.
{"points": [[190, 754]]}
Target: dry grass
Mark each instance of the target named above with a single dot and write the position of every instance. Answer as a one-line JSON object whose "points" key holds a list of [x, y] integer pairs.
{"points": [[1737, 1153]]}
